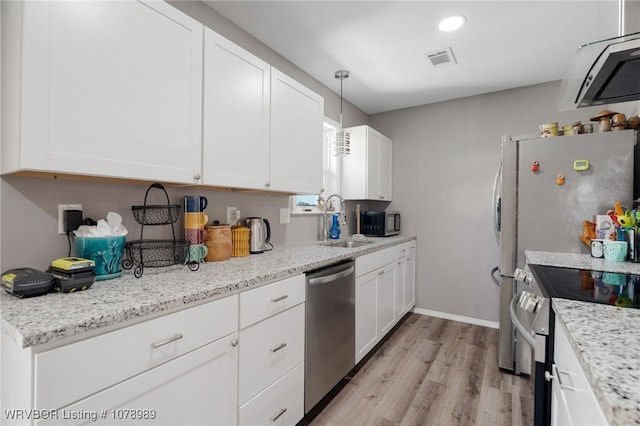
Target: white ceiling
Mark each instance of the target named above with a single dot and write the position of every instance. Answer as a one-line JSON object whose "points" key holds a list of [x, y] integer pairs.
{"points": [[504, 44]]}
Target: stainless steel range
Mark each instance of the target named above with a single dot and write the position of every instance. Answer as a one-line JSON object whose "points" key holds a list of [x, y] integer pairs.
{"points": [[534, 319]]}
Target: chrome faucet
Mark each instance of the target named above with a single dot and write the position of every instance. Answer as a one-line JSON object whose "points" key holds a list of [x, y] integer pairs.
{"points": [[325, 231]]}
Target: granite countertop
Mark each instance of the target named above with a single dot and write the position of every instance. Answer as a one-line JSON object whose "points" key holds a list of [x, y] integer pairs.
{"points": [[38, 320], [605, 339]]}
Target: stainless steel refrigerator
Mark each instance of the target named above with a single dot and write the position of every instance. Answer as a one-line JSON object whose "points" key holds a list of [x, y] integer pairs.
{"points": [[544, 190]]}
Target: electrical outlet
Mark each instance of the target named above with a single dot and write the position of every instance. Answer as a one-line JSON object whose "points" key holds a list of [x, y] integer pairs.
{"points": [[231, 214], [285, 216], [61, 209]]}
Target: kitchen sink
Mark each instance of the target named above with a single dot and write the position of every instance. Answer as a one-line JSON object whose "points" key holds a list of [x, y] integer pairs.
{"points": [[349, 244]]}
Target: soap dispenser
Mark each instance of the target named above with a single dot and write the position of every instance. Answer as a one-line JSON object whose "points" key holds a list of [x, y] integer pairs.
{"points": [[334, 232]]}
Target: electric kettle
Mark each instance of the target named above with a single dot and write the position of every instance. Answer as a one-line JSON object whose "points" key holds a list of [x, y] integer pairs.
{"points": [[260, 234]]}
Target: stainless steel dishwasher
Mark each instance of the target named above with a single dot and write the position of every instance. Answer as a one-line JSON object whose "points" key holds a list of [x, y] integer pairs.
{"points": [[330, 329]]}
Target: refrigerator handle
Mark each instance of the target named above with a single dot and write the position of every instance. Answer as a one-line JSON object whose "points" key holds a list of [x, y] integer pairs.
{"points": [[496, 204], [493, 275]]}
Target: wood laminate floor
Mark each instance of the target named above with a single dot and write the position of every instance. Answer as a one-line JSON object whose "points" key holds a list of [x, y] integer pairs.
{"points": [[433, 371]]}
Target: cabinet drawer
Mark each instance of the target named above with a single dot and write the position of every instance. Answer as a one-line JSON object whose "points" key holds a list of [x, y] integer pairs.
{"points": [[402, 250], [71, 372], [282, 403], [268, 300], [375, 260], [411, 248], [270, 349]]}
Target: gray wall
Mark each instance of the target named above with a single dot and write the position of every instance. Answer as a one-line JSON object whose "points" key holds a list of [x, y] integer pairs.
{"points": [[29, 214], [445, 157]]}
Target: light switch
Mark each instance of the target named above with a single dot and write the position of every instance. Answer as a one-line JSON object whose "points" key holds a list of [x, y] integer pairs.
{"points": [[285, 216]]}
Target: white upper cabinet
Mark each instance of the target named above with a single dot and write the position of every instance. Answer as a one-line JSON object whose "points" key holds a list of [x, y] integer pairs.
{"points": [[296, 136], [261, 129], [235, 148], [366, 173], [102, 88]]}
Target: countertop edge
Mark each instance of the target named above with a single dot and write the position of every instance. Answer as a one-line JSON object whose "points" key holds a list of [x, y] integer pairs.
{"points": [[323, 255]]}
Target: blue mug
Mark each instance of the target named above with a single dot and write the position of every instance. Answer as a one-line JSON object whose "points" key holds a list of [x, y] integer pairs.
{"points": [[194, 203]]}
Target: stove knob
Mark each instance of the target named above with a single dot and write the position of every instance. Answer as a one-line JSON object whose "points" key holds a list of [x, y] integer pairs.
{"points": [[529, 302], [523, 277]]}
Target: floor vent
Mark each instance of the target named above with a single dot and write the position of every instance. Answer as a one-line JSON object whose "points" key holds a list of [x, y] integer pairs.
{"points": [[441, 57]]}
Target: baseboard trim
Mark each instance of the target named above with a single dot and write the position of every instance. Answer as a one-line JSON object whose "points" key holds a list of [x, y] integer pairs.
{"points": [[459, 318]]}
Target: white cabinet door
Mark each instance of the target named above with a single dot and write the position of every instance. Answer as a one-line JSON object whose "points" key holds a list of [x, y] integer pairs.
{"points": [[199, 388], [384, 168], [366, 314], [296, 136], [366, 173], [401, 282], [572, 399], [410, 278], [107, 89], [386, 298], [236, 115]]}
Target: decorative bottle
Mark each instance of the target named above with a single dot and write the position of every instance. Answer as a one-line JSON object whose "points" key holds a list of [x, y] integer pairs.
{"points": [[334, 232]]}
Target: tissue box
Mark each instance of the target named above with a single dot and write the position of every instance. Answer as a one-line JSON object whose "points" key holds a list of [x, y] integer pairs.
{"points": [[106, 252], [604, 226]]}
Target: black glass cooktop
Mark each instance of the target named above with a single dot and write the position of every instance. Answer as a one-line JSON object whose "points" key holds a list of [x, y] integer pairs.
{"points": [[612, 288]]}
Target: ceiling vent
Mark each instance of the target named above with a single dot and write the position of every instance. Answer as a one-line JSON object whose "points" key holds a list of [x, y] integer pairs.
{"points": [[441, 57]]}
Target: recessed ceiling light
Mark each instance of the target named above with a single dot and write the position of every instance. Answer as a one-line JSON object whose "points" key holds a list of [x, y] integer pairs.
{"points": [[452, 23]]}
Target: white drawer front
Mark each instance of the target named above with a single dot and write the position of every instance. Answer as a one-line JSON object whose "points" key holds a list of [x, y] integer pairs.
{"points": [[270, 349], [71, 372], [282, 403], [402, 250], [375, 260], [268, 300]]}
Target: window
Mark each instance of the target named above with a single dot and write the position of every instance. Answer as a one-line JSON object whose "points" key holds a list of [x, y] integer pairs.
{"points": [[313, 203]]}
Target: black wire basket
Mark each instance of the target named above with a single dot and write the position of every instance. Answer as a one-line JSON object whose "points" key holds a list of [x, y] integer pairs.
{"points": [[156, 215], [156, 253]]}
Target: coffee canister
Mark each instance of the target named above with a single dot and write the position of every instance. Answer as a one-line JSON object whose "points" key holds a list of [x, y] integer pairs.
{"points": [[218, 242], [240, 241]]}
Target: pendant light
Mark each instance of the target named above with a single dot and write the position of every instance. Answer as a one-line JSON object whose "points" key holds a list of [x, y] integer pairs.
{"points": [[342, 146]]}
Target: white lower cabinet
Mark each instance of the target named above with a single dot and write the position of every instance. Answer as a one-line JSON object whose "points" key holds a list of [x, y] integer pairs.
{"points": [[386, 288], [400, 278], [271, 360], [366, 315], [385, 291], [409, 282], [167, 370], [198, 388], [572, 399]]}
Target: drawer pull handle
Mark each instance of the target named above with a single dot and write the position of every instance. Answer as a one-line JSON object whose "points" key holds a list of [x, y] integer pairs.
{"points": [[234, 342], [277, 348], [548, 377], [277, 416], [167, 341], [279, 299]]}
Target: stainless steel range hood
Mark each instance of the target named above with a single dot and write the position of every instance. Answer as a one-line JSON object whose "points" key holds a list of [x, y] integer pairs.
{"points": [[603, 72]]}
